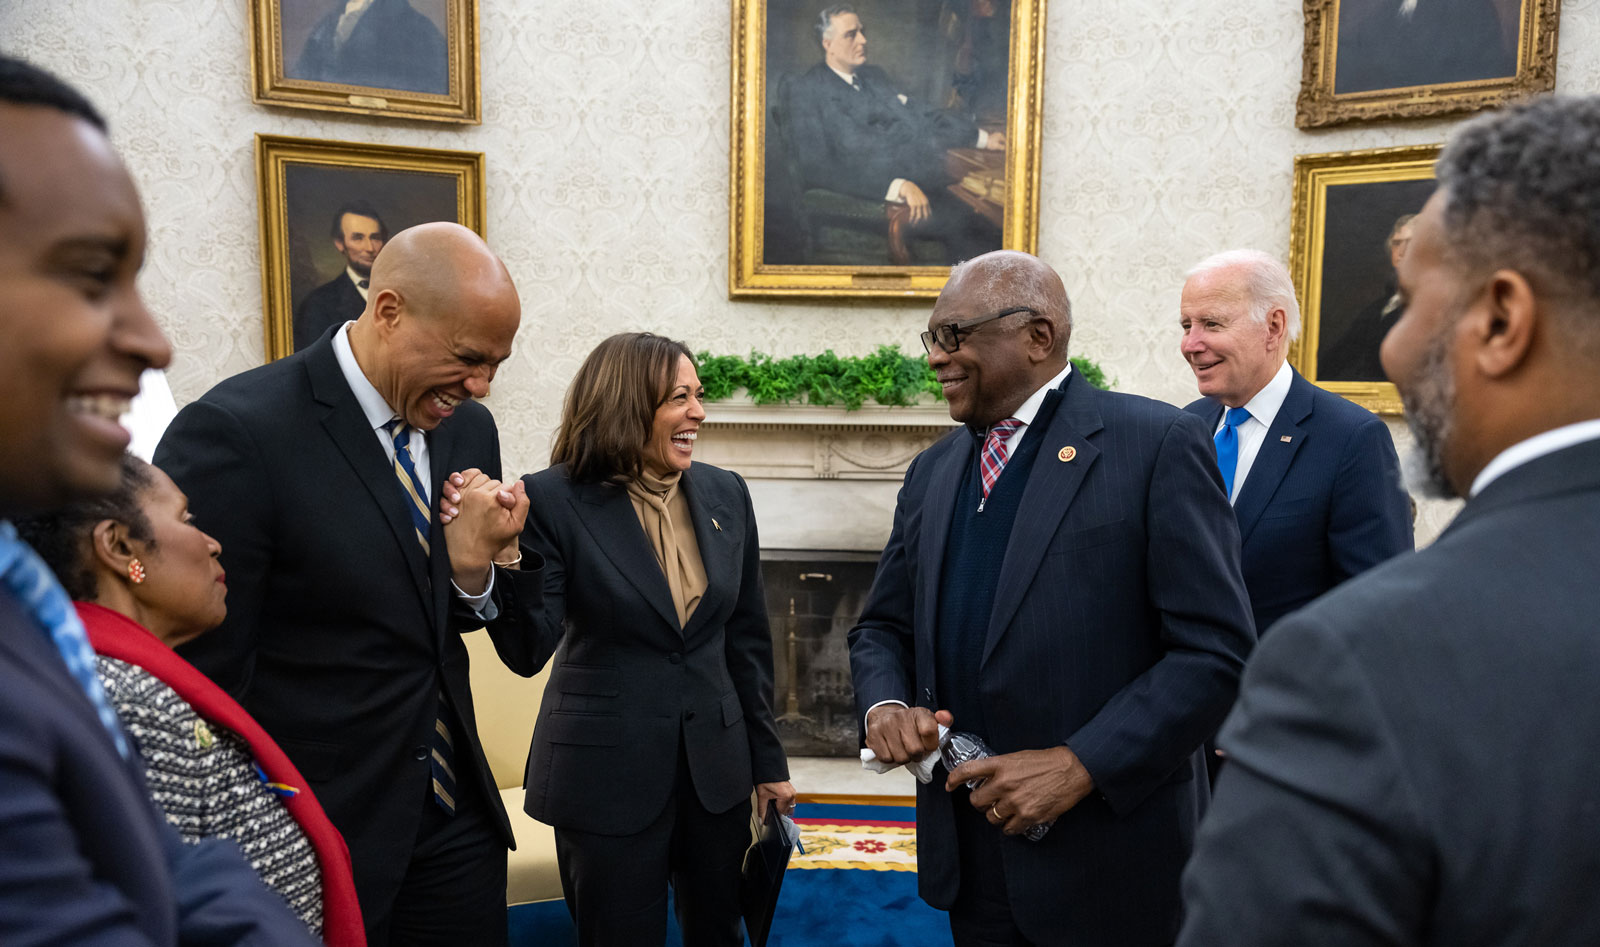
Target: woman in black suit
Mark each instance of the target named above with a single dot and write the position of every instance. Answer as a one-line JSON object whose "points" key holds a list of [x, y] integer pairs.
{"points": [[657, 722]]}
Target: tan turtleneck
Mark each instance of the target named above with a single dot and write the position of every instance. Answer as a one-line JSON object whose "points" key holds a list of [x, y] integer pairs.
{"points": [[663, 511]]}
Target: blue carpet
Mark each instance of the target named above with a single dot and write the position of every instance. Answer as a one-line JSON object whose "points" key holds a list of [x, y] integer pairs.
{"points": [[853, 906]]}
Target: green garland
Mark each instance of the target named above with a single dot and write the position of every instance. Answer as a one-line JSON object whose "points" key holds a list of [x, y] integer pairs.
{"points": [[887, 376]]}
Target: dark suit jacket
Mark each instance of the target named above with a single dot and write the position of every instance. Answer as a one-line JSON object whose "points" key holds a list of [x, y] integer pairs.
{"points": [[1319, 508], [1412, 757], [1442, 41], [1119, 628], [332, 304], [629, 684], [86, 859], [392, 47], [859, 142], [339, 633]]}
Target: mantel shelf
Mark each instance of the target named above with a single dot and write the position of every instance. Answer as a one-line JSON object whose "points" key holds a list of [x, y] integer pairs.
{"points": [[742, 413]]}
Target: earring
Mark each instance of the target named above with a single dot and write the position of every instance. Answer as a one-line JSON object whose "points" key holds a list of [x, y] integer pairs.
{"points": [[135, 571]]}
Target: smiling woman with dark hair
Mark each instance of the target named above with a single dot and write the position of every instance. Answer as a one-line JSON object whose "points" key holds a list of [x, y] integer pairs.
{"points": [[144, 579], [657, 723]]}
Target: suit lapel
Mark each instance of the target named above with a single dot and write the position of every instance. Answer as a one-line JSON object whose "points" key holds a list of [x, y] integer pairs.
{"points": [[717, 547], [1284, 439], [346, 425], [937, 509], [607, 513], [1046, 498]]}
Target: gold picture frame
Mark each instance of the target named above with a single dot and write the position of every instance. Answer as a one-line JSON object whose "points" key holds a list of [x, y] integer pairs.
{"points": [[306, 185], [774, 251], [1349, 210], [1441, 59], [409, 59]]}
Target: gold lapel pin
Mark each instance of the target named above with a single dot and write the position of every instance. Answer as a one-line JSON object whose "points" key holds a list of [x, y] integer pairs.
{"points": [[716, 525], [1286, 438], [1066, 454]]}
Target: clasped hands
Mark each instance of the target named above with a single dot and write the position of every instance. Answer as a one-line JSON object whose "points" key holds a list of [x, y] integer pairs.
{"points": [[482, 519], [1018, 790]]}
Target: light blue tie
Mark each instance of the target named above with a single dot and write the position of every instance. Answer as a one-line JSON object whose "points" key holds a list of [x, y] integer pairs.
{"points": [[1227, 441], [26, 576]]}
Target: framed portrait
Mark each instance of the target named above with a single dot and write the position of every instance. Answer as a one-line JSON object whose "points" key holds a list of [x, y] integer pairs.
{"points": [[1384, 59], [327, 208], [876, 143], [1352, 225], [398, 58]]}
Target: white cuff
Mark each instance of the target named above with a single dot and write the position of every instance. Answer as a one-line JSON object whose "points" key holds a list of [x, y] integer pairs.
{"points": [[893, 196], [983, 138], [480, 604]]}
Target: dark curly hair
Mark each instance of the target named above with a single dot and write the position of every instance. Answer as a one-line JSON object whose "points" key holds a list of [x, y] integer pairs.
{"points": [[1521, 191], [61, 537]]}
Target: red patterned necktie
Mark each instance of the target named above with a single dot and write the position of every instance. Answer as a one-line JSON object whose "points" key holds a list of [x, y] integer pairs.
{"points": [[994, 455]]}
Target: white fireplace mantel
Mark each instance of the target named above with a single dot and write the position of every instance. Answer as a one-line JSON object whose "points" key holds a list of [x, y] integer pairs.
{"points": [[820, 477]]}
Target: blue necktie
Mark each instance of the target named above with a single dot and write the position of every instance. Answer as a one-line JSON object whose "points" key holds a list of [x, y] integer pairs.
{"points": [[441, 754], [416, 493], [1228, 446], [26, 576]]}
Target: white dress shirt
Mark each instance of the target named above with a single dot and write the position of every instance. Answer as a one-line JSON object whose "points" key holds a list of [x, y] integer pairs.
{"points": [[357, 278], [1263, 408], [378, 414], [1533, 448]]}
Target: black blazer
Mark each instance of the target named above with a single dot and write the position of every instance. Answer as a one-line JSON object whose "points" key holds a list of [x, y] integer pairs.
{"points": [[86, 857], [1412, 758], [629, 684], [1119, 629], [1319, 507], [332, 304], [392, 47], [339, 633]]}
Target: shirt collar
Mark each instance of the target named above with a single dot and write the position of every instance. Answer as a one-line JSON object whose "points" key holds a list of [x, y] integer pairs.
{"points": [[372, 404], [1264, 407], [1533, 448], [849, 78], [1030, 408]]}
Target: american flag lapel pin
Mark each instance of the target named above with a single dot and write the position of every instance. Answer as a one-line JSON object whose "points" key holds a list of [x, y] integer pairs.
{"points": [[1286, 438]]}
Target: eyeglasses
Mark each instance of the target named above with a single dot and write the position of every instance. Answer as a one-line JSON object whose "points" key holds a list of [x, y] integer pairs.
{"points": [[949, 335]]}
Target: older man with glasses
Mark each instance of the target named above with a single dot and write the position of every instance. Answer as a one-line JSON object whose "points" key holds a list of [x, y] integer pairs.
{"points": [[1063, 581]]}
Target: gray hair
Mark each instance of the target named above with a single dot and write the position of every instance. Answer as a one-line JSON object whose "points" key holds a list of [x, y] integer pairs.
{"points": [[1267, 283], [824, 24], [1002, 280], [1521, 191]]}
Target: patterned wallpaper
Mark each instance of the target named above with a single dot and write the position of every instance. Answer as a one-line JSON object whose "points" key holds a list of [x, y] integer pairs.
{"points": [[1168, 134]]}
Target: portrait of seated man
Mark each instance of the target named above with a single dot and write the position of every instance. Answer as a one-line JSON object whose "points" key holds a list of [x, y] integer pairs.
{"points": [[358, 234], [385, 44], [846, 131], [1395, 44]]}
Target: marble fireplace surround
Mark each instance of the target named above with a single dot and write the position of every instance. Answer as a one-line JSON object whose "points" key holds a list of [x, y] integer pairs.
{"points": [[821, 478]]}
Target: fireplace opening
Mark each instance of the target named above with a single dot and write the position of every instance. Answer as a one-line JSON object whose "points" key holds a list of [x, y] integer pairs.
{"points": [[813, 600]]}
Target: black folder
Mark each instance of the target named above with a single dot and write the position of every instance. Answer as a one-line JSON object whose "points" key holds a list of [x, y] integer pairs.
{"points": [[764, 864]]}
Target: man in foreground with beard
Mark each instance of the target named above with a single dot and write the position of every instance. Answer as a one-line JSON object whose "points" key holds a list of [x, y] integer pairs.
{"points": [[1411, 760]]}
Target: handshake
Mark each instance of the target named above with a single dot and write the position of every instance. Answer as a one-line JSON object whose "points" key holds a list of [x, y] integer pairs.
{"points": [[483, 518]]}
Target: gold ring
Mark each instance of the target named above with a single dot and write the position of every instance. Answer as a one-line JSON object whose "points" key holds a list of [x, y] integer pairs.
{"points": [[994, 809]]}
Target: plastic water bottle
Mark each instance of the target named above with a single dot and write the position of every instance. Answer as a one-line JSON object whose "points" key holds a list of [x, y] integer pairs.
{"points": [[958, 748]]}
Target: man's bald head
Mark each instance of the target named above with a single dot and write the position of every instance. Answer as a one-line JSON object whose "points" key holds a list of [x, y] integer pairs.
{"points": [[441, 315], [437, 267]]}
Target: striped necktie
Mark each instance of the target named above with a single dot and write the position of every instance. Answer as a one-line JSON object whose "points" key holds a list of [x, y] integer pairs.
{"points": [[26, 576], [992, 462], [405, 472], [441, 763]]}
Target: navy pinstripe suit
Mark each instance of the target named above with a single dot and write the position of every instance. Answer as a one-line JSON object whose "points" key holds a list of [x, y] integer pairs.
{"points": [[1119, 628]]}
